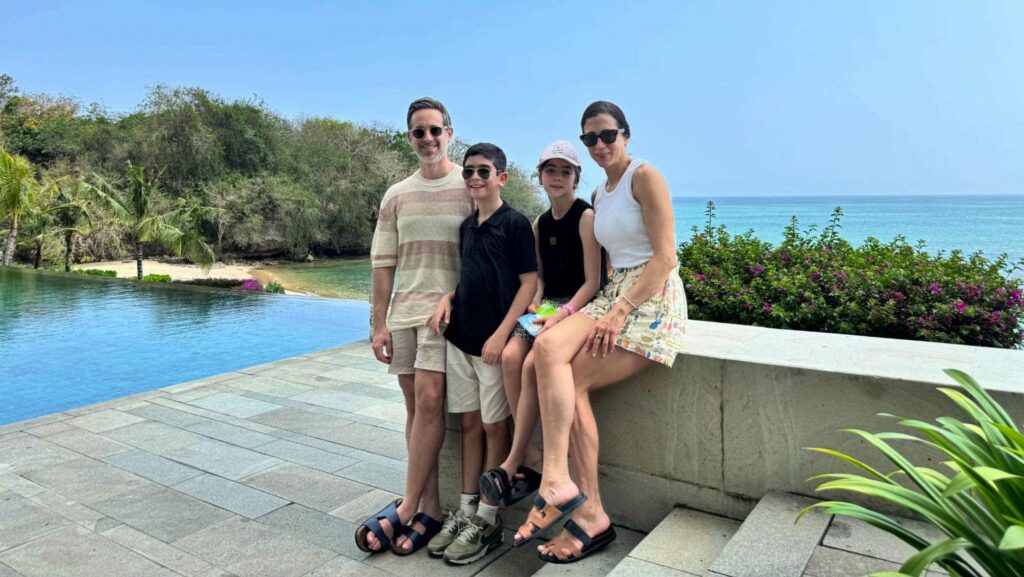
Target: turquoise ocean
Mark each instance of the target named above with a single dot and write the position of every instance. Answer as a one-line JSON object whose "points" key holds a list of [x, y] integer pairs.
{"points": [[991, 224]]}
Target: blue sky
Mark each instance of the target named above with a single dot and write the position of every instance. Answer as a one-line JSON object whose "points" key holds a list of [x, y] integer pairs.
{"points": [[726, 98]]}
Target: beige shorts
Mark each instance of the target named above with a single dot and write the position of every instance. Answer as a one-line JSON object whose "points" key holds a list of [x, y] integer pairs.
{"points": [[416, 348], [473, 385], [655, 330]]}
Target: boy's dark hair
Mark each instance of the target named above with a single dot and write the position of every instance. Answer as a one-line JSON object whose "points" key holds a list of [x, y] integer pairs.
{"points": [[427, 103], [605, 107], [490, 152]]}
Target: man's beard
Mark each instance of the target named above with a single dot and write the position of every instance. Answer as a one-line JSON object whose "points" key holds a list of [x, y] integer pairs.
{"points": [[435, 158]]}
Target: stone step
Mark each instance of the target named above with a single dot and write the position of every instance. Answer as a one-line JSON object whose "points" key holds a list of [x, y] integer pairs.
{"points": [[600, 563], [683, 544], [768, 543]]}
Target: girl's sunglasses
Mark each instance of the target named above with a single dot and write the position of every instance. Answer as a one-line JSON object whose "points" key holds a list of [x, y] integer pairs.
{"points": [[435, 131], [607, 136], [484, 172]]}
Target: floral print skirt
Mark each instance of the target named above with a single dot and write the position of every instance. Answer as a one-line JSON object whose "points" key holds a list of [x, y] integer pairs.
{"points": [[655, 330]]}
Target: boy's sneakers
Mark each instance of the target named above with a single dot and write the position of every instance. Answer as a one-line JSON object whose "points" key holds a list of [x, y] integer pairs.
{"points": [[475, 540], [454, 521]]}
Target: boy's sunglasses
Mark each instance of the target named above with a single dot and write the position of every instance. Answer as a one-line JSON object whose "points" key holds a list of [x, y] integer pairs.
{"points": [[484, 172], [607, 136], [435, 131]]}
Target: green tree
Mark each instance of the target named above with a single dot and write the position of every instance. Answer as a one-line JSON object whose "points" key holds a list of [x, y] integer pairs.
{"points": [[73, 205], [18, 190], [176, 229]]}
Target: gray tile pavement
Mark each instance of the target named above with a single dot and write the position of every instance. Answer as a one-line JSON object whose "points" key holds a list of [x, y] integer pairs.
{"points": [[263, 471]]}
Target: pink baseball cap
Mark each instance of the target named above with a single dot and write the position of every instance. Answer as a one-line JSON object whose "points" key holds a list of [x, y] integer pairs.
{"points": [[560, 149]]}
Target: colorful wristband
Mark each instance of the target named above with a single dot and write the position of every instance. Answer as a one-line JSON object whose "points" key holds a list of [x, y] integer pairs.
{"points": [[569, 308]]}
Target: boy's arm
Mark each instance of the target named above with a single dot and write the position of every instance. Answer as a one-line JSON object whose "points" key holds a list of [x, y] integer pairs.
{"points": [[442, 313], [491, 353]]}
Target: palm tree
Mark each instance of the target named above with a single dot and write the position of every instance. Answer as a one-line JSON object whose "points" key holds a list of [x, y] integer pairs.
{"points": [[18, 189], [177, 229], [73, 204]]}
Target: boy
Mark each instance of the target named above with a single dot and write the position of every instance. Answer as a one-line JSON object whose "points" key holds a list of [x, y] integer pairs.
{"points": [[498, 278]]}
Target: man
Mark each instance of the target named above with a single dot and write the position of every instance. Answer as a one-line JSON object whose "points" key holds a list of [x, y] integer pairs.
{"points": [[417, 237]]}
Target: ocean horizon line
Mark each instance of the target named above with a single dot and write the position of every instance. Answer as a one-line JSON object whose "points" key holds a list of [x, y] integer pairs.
{"points": [[847, 195]]}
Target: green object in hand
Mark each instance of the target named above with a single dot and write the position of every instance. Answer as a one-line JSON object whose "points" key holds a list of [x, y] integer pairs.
{"points": [[546, 309]]}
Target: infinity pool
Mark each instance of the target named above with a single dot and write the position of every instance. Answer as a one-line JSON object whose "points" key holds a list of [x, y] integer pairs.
{"points": [[68, 341]]}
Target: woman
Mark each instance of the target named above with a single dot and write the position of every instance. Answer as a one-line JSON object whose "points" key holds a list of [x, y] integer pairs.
{"points": [[636, 321]]}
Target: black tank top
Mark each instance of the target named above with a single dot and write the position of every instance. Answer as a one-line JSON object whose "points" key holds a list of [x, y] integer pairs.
{"points": [[561, 251]]}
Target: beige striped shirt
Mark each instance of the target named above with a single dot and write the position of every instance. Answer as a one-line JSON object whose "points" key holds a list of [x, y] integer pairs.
{"points": [[418, 234]]}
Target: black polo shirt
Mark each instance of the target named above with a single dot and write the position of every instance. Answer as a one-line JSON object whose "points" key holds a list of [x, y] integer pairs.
{"points": [[494, 254]]}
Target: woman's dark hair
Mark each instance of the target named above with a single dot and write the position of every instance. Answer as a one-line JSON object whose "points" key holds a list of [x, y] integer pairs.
{"points": [[605, 107]]}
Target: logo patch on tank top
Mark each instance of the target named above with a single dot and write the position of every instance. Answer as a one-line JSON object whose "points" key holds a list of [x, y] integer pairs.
{"points": [[552, 240]]}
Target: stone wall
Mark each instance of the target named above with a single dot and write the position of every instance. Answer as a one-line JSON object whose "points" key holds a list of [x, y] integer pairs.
{"points": [[731, 420]]}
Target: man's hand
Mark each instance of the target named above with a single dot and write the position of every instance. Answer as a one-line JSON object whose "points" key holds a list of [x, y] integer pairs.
{"points": [[381, 344]]}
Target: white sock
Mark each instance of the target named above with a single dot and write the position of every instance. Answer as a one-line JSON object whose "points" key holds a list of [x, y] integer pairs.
{"points": [[468, 503], [488, 513]]}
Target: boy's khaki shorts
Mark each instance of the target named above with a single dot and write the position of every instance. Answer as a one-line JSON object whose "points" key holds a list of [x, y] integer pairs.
{"points": [[416, 348], [473, 385]]}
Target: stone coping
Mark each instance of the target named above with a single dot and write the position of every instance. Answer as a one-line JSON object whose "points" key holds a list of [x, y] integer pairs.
{"points": [[902, 360]]}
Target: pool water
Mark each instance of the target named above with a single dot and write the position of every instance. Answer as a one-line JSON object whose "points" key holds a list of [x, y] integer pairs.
{"points": [[68, 341]]}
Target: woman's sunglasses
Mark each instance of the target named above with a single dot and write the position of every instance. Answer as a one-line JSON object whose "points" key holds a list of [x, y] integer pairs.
{"points": [[484, 172], [435, 131], [607, 136]]}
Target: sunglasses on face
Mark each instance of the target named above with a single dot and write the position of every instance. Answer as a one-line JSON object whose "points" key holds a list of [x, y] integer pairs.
{"points": [[484, 172], [435, 131], [607, 136]]}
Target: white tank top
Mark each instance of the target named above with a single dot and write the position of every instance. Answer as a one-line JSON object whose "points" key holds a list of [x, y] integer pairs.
{"points": [[619, 222]]}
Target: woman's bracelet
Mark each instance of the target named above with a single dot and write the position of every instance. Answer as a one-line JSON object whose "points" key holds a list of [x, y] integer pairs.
{"points": [[631, 303], [567, 307]]}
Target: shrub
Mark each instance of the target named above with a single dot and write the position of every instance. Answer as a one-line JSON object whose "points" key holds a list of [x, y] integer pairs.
{"points": [[978, 505], [820, 282], [274, 287], [250, 285], [213, 282], [95, 272], [157, 278]]}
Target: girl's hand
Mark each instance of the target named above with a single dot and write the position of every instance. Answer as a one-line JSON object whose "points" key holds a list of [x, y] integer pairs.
{"points": [[550, 321], [532, 308]]}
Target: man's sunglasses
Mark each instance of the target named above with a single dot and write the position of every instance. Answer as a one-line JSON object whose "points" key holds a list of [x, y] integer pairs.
{"points": [[484, 172], [435, 131], [607, 136]]}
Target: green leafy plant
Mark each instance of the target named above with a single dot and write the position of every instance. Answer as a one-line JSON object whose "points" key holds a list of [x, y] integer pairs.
{"points": [[213, 282], [157, 278], [95, 272], [274, 287], [816, 281], [978, 505]]}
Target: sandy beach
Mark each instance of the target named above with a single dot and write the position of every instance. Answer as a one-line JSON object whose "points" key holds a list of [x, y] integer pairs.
{"points": [[180, 271], [126, 269]]}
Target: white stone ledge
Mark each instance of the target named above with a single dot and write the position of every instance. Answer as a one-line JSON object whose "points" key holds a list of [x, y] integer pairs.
{"points": [[901, 360]]}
